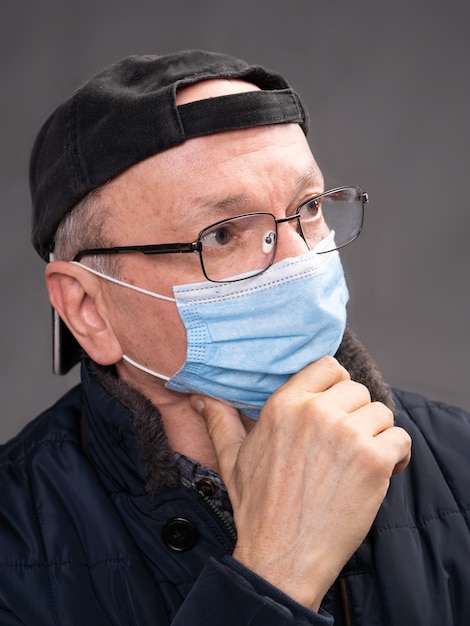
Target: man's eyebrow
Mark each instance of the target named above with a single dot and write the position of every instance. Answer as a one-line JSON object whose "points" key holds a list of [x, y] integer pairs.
{"points": [[311, 176], [223, 203]]}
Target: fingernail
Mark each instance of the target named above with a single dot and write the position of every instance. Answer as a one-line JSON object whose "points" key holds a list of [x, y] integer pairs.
{"points": [[198, 404]]}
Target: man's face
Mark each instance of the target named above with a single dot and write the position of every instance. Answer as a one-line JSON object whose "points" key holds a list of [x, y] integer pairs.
{"points": [[169, 198]]}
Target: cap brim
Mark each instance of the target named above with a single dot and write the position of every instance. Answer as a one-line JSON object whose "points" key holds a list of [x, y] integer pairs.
{"points": [[66, 352]]}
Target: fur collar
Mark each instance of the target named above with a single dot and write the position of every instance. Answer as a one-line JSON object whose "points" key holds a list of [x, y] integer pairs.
{"points": [[362, 368]]}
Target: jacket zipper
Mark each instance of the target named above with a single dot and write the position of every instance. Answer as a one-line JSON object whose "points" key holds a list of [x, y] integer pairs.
{"points": [[229, 526]]}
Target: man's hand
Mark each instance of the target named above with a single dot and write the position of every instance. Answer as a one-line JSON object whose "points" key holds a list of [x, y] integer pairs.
{"points": [[307, 481]]}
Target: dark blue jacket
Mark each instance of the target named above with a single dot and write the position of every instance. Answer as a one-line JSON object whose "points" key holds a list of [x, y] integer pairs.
{"points": [[83, 543]]}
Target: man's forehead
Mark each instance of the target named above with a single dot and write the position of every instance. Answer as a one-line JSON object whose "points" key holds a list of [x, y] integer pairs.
{"points": [[160, 183], [220, 147], [310, 178]]}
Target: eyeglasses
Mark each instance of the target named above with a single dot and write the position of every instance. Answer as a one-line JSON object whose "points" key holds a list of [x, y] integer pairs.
{"points": [[245, 245]]}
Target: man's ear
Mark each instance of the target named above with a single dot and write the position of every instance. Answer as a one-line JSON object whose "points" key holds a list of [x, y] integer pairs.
{"points": [[76, 295]]}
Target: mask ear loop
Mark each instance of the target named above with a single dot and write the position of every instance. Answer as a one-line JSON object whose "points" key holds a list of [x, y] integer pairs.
{"points": [[142, 368], [140, 290], [122, 283]]}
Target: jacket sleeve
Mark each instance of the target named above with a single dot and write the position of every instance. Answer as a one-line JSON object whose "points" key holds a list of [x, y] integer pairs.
{"points": [[228, 593]]}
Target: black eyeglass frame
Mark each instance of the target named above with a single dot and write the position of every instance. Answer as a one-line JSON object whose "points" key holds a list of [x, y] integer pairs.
{"points": [[196, 246]]}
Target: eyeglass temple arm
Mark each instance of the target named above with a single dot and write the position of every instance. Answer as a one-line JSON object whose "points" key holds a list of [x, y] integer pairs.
{"points": [[162, 248]]}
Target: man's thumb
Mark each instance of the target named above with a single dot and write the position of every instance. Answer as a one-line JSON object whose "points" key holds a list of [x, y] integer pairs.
{"points": [[224, 426]]}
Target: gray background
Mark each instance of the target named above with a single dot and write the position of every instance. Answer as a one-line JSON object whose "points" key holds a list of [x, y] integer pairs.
{"points": [[388, 90]]}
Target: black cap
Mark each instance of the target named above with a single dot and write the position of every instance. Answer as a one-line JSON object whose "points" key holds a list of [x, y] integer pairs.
{"points": [[128, 112]]}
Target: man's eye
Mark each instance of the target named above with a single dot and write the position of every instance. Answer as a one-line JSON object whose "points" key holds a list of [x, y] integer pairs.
{"points": [[311, 209], [218, 237]]}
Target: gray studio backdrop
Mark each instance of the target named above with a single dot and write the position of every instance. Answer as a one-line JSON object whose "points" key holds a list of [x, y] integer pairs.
{"points": [[387, 85]]}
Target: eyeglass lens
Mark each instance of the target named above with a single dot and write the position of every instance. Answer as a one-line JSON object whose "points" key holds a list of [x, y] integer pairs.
{"points": [[240, 245], [245, 245], [333, 220]]}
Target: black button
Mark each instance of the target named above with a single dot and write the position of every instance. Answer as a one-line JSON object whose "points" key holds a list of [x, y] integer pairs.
{"points": [[179, 534]]}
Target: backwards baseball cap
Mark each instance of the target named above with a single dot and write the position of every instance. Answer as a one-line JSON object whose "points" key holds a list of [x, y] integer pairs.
{"points": [[127, 113]]}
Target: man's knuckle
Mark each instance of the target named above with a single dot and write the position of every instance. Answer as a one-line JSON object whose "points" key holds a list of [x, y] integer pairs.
{"points": [[335, 368]]}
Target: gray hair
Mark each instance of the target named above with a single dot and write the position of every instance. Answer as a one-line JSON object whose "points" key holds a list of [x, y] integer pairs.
{"points": [[82, 228]]}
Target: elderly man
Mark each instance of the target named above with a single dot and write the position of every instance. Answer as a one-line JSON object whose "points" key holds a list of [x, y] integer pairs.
{"points": [[232, 455]]}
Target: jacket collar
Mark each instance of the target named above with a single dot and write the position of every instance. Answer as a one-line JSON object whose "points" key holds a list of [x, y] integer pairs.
{"points": [[124, 434]]}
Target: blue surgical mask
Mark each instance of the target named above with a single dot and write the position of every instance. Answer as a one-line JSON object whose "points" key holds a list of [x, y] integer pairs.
{"points": [[246, 338]]}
